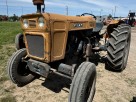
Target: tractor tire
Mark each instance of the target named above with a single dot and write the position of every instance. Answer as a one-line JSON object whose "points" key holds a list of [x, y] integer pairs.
{"points": [[118, 49], [83, 84], [19, 41], [17, 69]]}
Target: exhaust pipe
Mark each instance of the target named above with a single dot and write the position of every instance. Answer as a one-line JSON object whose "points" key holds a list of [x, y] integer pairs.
{"points": [[38, 3]]}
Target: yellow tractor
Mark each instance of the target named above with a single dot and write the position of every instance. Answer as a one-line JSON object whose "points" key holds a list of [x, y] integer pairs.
{"points": [[63, 45]]}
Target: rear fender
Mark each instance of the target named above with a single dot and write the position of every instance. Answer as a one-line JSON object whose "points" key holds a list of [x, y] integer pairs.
{"points": [[113, 24]]}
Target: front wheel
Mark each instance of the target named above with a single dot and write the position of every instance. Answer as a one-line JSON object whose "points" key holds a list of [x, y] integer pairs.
{"points": [[19, 41], [18, 70], [83, 84]]}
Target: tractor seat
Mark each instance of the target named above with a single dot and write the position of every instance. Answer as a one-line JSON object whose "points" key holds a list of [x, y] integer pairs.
{"points": [[99, 26]]}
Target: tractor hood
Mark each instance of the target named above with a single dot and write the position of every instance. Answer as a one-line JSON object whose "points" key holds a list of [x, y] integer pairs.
{"points": [[30, 22]]}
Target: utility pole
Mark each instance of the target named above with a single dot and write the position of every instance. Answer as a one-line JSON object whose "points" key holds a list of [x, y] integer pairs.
{"points": [[66, 10], [115, 11], [112, 12], [7, 7], [22, 10], [91, 12]]}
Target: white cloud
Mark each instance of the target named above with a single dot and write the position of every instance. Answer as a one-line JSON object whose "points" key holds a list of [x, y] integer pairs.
{"points": [[46, 2], [76, 6], [109, 5], [102, 3]]}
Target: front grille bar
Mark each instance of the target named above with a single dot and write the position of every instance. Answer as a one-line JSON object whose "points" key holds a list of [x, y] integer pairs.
{"points": [[35, 45], [32, 23]]}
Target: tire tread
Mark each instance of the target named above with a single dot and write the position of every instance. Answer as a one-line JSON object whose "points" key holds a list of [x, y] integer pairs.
{"points": [[117, 44]]}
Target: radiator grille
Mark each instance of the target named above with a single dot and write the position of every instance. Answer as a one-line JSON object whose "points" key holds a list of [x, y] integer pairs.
{"points": [[32, 23], [35, 45]]}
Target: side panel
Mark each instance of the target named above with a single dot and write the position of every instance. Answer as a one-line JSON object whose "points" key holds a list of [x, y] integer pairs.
{"points": [[59, 34], [81, 25]]}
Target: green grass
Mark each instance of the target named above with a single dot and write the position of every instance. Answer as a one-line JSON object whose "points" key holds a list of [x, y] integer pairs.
{"points": [[5, 52], [8, 30]]}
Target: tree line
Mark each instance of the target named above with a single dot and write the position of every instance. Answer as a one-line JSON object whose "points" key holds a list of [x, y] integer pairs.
{"points": [[13, 18]]}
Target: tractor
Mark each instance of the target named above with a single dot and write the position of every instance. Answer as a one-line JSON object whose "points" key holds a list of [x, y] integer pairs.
{"points": [[131, 20], [63, 45]]}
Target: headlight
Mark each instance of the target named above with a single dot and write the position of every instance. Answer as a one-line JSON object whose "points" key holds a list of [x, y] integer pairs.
{"points": [[41, 22], [25, 23]]}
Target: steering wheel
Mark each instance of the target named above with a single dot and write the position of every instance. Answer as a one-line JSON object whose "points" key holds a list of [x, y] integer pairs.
{"points": [[89, 14]]}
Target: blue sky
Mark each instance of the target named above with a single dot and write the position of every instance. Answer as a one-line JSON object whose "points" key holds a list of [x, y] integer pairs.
{"points": [[76, 7]]}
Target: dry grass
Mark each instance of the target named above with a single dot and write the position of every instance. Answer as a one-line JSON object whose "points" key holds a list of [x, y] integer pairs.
{"points": [[5, 93]]}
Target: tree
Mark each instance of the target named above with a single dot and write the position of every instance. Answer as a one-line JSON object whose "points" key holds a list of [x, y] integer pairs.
{"points": [[14, 18], [110, 16]]}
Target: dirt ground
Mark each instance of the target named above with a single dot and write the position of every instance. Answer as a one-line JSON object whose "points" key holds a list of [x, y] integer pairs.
{"points": [[110, 86]]}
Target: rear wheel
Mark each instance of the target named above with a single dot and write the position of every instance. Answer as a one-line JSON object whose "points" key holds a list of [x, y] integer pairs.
{"points": [[83, 84], [118, 49], [18, 70]]}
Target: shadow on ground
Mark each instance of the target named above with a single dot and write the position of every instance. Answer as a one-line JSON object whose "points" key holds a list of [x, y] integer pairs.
{"points": [[56, 83], [96, 59], [134, 99]]}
